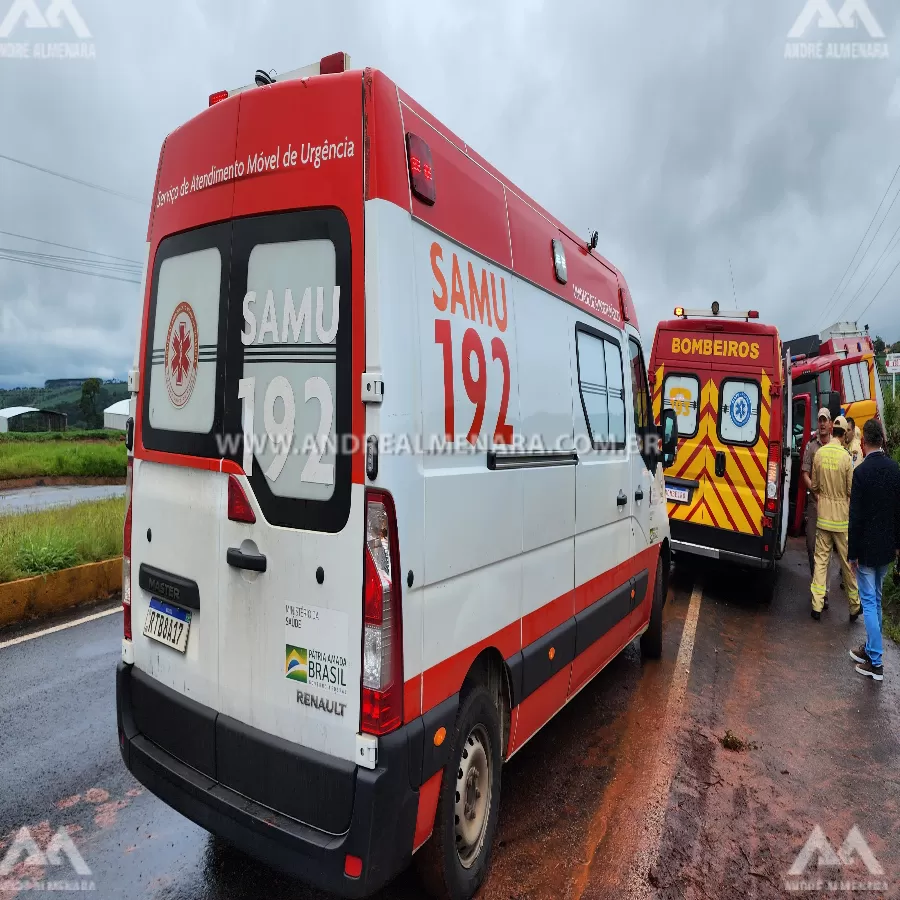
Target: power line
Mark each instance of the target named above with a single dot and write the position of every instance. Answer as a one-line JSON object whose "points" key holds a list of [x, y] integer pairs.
{"points": [[26, 237], [891, 244], [883, 285], [63, 268], [89, 184], [835, 294], [865, 252], [90, 263]]}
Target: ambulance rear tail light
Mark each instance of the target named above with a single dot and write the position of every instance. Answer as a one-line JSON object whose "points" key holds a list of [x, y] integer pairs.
{"points": [[774, 468], [421, 168], [382, 674], [126, 552], [217, 96], [239, 508]]}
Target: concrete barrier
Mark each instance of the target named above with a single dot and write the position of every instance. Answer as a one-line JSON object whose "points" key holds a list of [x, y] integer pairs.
{"points": [[44, 595]]}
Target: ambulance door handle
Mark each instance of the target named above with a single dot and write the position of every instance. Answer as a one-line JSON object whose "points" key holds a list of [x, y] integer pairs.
{"points": [[622, 499], [720, 464], [639, 495], [253, 562]]}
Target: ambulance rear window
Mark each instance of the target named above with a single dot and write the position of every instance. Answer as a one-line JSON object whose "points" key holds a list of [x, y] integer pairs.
{"points": [[182, 371], [248, 358], [739, 412], [682, 393]]}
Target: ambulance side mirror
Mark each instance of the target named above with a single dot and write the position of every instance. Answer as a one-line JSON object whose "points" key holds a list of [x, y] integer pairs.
{"points": [[669, 437]]}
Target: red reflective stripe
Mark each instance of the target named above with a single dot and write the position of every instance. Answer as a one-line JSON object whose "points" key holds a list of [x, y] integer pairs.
{"points": [[412, 698], [445, 678], [429, 794], [228, 466]]}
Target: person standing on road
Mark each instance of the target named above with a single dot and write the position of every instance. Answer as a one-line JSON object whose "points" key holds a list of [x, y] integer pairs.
{"points": [[819, 440], [874, 539], [832, 478], [852, 442]]}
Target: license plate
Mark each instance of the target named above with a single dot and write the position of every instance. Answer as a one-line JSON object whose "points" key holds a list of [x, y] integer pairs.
{"points": [[677, 494], [167, 624]]}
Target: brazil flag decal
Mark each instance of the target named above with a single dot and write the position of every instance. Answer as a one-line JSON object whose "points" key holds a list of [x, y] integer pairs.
{"points": [[295, 663]]}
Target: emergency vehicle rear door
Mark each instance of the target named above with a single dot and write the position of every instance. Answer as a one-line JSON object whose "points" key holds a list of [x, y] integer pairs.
{"points": [[739, 435], [685, 389]]}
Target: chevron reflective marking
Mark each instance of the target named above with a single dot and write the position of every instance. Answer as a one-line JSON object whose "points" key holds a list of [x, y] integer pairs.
{"points": [[736, 500]]}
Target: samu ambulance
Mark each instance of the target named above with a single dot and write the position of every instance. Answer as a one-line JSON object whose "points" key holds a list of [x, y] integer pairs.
{"points": [[395, 495], [725, 376]]}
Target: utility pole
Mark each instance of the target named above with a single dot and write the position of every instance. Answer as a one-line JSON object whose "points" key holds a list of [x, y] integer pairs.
{"points": [[734, 293]]}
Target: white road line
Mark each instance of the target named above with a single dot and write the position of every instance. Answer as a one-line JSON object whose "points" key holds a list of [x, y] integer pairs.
{"points": [[63, 627], [637, 885]]}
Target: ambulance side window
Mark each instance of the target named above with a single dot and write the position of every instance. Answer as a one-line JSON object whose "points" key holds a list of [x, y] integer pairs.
{"points": [[682, 393], [601, 385], [739, 402]]}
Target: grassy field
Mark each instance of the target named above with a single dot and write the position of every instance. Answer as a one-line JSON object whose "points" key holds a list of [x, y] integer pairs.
{"points": [[86, 458], [35, 543], [73, 434], [890, 605]]}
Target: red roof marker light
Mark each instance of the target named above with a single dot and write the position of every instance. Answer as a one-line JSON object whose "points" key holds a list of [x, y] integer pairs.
{"points": [[421, 169], [217, 96]]}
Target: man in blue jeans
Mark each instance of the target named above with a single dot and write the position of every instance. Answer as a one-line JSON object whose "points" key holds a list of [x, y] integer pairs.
{"points": [[874, 539]]}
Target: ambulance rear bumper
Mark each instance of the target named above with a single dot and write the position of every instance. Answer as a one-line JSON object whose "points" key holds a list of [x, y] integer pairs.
{"points": [[381, 813], [752, 551], [714, 553]]}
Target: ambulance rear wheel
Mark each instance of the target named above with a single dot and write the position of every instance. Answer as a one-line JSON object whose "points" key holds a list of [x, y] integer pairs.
{"points": [[766, 583], [454, 862], [652, 638]]}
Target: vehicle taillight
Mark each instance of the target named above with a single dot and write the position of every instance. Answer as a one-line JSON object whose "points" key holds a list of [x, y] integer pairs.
{"points": [[126, 552], [382, 674], [772, 477], [239, 508], [421, 168]]}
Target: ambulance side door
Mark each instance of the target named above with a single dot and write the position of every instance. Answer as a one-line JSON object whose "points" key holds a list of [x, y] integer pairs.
{"points": [[639, 451]]}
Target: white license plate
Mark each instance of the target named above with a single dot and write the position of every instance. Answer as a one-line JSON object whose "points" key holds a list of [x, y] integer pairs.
{"points": [[167, 624], [678, 494]]}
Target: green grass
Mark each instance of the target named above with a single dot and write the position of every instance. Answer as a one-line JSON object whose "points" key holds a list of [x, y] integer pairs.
{"points": [[30, 459], [73, 434], [36, 543], [890, 605]]}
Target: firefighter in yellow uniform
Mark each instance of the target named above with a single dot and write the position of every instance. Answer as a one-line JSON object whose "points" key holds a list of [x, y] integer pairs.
{"points": [[852, 442], [832, 477]]}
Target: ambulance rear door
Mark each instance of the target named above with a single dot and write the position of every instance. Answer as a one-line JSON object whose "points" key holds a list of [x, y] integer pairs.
{"points": [[684, 390], [739, 432]]}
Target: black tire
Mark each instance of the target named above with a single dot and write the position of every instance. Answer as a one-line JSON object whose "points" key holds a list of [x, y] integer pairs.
{"points": [[766, 583], [447, 873], [652, 638]]}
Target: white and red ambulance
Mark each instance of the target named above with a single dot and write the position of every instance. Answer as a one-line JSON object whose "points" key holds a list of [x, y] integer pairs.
{"points": [[396, 491]]}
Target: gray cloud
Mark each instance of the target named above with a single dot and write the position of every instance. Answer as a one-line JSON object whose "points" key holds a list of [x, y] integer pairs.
{"points": [[679, 131]]}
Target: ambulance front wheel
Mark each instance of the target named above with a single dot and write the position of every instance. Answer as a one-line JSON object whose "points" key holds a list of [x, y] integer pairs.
{"points": [[652, 638], [454, 862]]}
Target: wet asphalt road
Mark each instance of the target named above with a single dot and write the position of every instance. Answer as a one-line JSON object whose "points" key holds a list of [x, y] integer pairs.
{"points": [[24, 499], [823, 748]]}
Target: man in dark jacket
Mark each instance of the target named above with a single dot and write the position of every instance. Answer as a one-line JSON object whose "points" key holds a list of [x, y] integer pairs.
{"points": [[874, 539]]}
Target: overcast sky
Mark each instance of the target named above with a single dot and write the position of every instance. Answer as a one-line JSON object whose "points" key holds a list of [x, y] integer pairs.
{"points": [[678, 130]]}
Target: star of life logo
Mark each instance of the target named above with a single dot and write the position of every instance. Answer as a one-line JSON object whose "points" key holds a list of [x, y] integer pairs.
{"points": [[819, 867], [24, 16], [818, 19], [26, 865], [182, 355]]}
